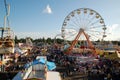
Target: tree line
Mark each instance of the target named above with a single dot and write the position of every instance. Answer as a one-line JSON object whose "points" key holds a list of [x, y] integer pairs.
{"points": [[48, 40], [58, 40]]}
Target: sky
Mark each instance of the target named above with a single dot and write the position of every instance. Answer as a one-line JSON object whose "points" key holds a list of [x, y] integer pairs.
{"points": [[44, 18]]}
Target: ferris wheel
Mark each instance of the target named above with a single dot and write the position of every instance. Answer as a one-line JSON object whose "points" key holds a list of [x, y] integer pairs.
{"points": [[83, 24]]}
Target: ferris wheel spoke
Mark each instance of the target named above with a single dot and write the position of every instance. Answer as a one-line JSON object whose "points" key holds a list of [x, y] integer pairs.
{"points": [[98, 26], [74, 22], [93, 31], [72, 29], [95, 36], [96, 22], [80, 20], [88, 16], [71, 35], [87, 19], [77, 20], [90, 20], [72, 25], [84, 20]]}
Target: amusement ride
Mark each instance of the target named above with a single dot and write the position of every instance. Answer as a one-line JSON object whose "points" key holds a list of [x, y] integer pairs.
{"points": [[83, 25], [7, 37]]}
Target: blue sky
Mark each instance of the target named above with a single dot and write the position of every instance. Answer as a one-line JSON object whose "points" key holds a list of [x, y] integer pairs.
{"points": [[44, 18]]}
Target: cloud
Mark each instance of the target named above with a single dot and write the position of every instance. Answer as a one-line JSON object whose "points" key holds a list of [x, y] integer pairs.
{"points": [[112, 32], [113, 28], [48, 10]]}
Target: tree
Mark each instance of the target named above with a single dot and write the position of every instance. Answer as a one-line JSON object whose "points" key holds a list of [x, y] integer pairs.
{"points": [[16, 39], [22, 40], [48, 40]]}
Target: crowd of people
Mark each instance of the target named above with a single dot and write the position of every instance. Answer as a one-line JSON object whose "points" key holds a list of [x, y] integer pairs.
{"points": [[96, 69]]}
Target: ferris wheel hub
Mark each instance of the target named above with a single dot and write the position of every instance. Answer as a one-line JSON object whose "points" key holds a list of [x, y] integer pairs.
{"points": [[81, 29]]}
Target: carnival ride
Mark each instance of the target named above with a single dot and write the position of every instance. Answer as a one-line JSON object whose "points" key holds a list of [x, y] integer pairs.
{"points": [[6, 39], [83, 25], [7, 35]]}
